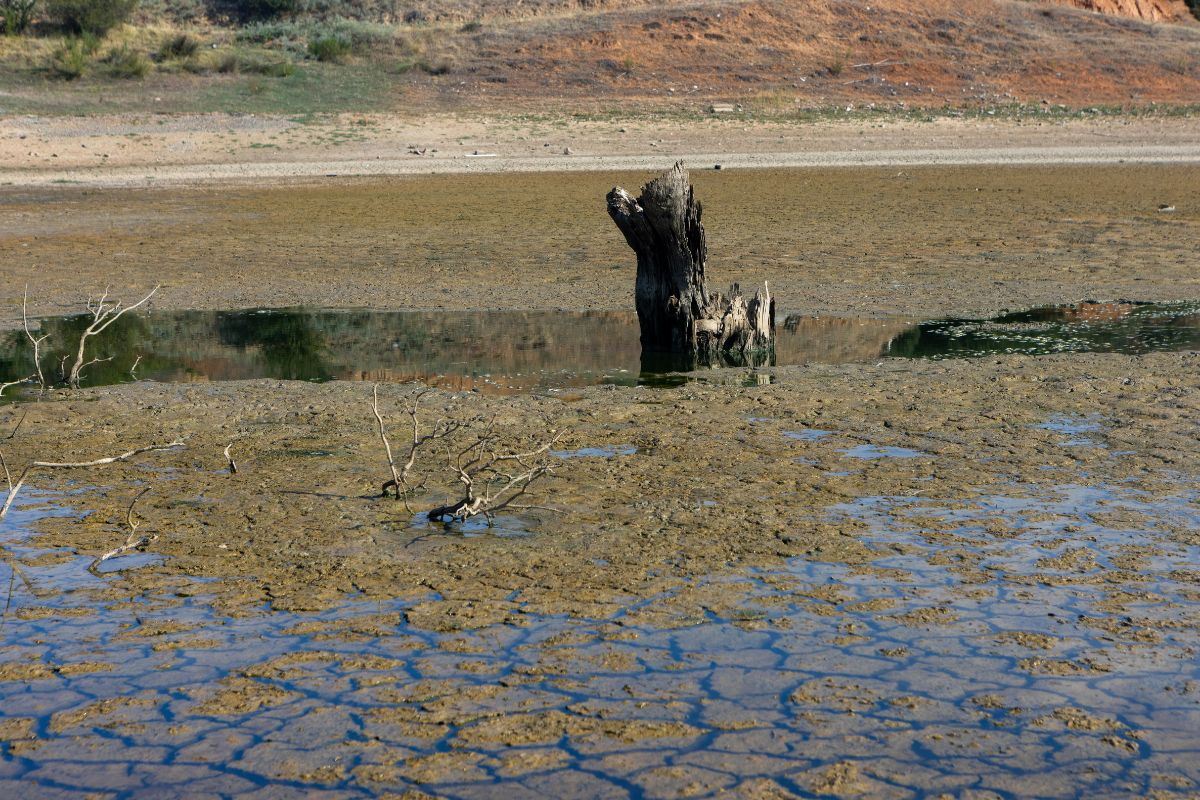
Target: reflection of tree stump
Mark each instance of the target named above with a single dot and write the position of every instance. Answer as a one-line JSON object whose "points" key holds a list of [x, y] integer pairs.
{"points": [[676, 311]]}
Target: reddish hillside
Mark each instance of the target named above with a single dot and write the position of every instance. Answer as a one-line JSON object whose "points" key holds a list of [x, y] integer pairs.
{"points": [[1151, 10], [785, 54]]}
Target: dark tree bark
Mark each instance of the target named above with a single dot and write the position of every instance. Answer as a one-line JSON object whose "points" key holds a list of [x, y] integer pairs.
{"points": [[676, 312]]}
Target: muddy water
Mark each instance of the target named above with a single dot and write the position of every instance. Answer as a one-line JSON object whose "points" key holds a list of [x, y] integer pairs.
{"points": [[953, 663]]}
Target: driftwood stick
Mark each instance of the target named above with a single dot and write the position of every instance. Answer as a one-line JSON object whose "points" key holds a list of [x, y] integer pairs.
{"points": [[4, 386], [20, 422], [109, 459], [132, 541], [13, 488]]}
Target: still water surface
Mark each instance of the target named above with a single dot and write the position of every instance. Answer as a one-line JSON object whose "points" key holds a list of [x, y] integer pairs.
{"points": [[515, 351]]}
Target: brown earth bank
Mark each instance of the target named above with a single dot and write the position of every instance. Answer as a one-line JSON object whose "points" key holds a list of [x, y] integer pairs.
{"points": [[1152, 10], [892, 53]]}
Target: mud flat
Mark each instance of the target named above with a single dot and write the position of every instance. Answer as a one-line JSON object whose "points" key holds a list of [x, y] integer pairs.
{"points": [[896, 241], [893, 578]]}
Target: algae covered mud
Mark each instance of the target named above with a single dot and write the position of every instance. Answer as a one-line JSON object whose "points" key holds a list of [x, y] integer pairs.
{"points": [[857, 576]]}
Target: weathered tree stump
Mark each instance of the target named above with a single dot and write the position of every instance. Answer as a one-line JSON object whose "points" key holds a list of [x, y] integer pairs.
{"points": [[676, 312]]}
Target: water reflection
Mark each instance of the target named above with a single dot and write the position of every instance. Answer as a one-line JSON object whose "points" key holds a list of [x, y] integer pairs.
{"points": [[506, 352]]}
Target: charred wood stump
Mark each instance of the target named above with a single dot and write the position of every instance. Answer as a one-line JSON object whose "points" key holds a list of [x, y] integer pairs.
{"points": [[677, 313]]}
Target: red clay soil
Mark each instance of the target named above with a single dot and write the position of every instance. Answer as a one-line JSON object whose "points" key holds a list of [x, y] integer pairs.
{"points": [[781, 54], [1150, 10]]}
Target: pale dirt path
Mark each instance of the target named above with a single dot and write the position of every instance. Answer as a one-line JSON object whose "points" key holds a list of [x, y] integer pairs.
{"points": [[187, 149]]}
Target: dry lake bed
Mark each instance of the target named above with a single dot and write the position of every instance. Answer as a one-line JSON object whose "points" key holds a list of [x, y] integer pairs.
{"points": [[946, 543]]}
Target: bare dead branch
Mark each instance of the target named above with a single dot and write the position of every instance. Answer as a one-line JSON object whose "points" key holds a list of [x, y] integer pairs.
{"points": [[79, 373], [132, 541], [400, 482], [229, 458], [109, 459], [35, 341], [487, 486], [387, 446], [133, 369], [4, 386], [13, 488], [103, 314], [20, 422]]}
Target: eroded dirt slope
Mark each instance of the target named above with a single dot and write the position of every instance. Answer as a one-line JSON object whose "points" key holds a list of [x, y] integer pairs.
{"points": [[781, 55], [1152, 10]]}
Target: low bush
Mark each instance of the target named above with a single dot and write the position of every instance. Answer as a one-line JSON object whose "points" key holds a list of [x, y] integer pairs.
{"points": [[71, 59], [330, 48], [125, 62], [360, 35], [178, 47], [89, 16]]}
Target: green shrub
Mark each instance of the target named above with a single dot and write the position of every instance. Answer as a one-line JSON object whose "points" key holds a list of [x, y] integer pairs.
{"points": [[71, 60], [124, 62], [17, 15], [178, 47], [330, 48], [89, 16]]}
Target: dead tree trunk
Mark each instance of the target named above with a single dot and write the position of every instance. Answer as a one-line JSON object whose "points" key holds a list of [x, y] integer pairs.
{"points": [[676, 312]]}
